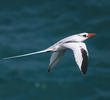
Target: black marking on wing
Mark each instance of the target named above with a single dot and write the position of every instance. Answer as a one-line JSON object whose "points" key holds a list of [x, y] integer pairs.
{"points": [[84, 62], [70, 41]]}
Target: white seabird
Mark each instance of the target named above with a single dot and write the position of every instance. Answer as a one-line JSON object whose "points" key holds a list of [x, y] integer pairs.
{"points": [[75, 43]]}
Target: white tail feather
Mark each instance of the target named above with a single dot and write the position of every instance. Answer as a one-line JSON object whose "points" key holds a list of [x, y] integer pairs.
{"points": [[28, 54]]}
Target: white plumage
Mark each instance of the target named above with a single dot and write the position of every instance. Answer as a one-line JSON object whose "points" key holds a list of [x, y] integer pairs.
{"points": [[75, 43]]}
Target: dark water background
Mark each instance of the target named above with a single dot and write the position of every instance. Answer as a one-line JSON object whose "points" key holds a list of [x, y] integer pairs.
{"points": [[32, 25]]}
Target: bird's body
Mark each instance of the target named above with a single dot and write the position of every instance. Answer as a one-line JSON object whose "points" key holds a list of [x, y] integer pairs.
{"points": [[75, 43]]}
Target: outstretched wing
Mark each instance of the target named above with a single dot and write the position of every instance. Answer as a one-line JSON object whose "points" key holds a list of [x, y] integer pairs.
{"points": [[80, 53], [56, 56]]}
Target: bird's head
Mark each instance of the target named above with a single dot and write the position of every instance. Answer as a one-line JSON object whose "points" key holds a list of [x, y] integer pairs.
{"points": [[83, 36]]}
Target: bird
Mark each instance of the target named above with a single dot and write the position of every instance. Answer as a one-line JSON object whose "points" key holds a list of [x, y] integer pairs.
{"points": [[74, 43]]}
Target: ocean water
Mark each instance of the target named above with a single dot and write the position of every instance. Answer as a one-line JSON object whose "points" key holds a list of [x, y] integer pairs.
{"points": [[32, 25]]}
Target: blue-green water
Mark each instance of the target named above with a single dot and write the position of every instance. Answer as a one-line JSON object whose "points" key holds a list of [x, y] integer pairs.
{"points": [[32, 25]]}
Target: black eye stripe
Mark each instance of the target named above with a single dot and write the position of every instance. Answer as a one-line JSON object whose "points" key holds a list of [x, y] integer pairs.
{"points": [[84, 35]]}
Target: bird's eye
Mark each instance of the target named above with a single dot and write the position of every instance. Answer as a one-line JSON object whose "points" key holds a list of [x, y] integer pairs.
{"points": [[84, 35]]}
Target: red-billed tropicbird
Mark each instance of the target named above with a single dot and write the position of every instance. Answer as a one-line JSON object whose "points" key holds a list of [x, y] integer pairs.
{"points": [[75, 43]]}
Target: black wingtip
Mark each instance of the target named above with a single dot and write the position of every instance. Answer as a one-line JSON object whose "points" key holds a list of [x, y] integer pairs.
{"points": [[84, 72], [84, 69], [48, 70], [84, 62]]}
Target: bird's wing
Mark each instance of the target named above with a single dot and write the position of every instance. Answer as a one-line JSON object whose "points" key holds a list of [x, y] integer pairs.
{"points": [[80, 53], [55, 57]]}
